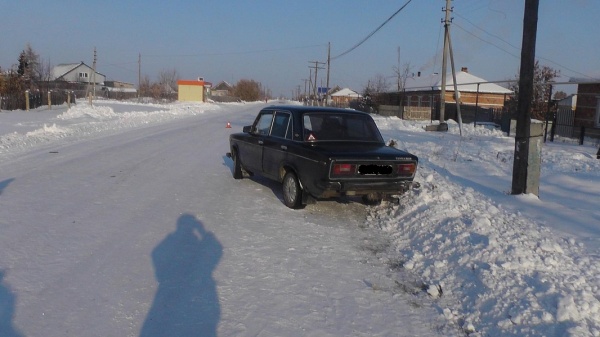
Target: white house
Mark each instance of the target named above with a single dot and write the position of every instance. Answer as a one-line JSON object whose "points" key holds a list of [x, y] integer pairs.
{"points": [[77, 73], [344, 96]]}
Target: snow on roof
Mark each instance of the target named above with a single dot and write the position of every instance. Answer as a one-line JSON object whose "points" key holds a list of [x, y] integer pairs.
{"points": [[63, 69], [466, 82], [346, 92]]}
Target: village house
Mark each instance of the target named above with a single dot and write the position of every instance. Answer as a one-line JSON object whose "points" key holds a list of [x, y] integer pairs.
{"points": [[420, 98], [77, 73], [343, 97]]}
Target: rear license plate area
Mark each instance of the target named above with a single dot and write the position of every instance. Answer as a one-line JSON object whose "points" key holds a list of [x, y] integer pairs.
{"points": [[373, 170]]}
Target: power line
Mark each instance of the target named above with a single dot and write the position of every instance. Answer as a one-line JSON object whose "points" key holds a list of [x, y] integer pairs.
{"points": [[235, 52], [372, 33], [508, 43]]}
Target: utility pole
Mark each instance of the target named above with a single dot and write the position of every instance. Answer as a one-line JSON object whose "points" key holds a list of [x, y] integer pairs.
{"points": [[139, 74], [446, 21], [328, 69], [316, 67], [94, 74], [456, 92], [522, 167]]}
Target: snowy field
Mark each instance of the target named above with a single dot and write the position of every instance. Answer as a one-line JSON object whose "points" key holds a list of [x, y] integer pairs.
{"points": [[105, 209]]}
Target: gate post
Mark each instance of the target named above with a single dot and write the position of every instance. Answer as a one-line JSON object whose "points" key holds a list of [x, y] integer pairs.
{"points": [[27, 100], [49, 100]]}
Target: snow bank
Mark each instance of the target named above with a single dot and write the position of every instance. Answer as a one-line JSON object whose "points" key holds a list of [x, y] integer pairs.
{"points": [[497, 272], [84, 120]]}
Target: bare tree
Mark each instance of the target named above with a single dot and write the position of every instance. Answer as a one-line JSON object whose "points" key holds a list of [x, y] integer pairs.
{"points": [[247, 90], [402, 76], [168, 81], [542, 78], [145, 86], [377, 84]]}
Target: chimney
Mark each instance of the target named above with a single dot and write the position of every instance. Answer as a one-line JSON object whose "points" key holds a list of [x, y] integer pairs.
{"points": [[464, 69]]}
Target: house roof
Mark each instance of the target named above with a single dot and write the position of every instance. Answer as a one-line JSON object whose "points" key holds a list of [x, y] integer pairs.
{"points": [[346, 92], [65, 68], [466, 82], [223, 85]]}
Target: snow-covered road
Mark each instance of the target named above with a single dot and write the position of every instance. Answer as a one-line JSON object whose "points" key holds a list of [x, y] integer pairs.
{"points": [[145, 233]]}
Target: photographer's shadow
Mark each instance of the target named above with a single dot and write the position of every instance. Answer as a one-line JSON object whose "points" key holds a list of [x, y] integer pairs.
{"points": [[7, 310], [186, 302]]}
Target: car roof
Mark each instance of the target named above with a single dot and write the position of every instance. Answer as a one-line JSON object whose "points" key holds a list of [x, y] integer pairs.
{"points": [[303, 109]]}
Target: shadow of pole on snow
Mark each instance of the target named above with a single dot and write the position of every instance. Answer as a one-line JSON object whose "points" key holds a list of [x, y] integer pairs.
{"points": [[186, 302]]}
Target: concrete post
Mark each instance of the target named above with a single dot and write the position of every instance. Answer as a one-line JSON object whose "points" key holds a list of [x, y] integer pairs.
{"points": [[26, 100], [49, 100], [534, 160]]}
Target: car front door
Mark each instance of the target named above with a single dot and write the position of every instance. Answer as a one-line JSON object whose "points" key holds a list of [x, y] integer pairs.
{"points": [[253, 156], [276, 145]]}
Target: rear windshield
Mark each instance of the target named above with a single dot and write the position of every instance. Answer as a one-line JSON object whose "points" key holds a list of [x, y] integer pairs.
{"points": [[322, 126]]}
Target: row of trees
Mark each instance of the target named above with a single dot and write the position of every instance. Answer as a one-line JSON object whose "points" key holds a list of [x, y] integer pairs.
{"points": [[166, 88]]}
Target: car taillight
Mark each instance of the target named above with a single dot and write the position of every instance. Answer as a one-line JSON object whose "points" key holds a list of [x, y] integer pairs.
{"points": [[407, 170], [343, 169]]}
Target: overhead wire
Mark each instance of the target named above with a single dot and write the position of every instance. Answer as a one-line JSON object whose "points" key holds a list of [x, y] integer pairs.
{"points": [[372, 33], [508, 43]]}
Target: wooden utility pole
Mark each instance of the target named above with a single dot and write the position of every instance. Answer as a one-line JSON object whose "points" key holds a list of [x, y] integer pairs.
{"points": [[522, 148], [316, 67], [94, 74], [328, 69], [139, 74]]}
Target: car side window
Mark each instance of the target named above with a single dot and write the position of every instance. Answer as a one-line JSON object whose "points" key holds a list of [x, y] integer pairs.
{"points": [[263, 125], [281, 125]]}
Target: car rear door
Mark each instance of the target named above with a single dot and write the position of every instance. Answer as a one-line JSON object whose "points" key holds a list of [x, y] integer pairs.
{"points": [[276, 145]]}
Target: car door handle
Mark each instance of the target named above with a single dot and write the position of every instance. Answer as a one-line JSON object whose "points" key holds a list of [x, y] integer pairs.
{"points": [[260, 142], [283, 147]]}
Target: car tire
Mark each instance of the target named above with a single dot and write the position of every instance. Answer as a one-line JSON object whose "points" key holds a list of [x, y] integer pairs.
{"points": [[237, 166], [292, 192]]}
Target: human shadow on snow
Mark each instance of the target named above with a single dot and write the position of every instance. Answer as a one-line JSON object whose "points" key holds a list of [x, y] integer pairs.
{"points": [[7, 310], [186, 302]]}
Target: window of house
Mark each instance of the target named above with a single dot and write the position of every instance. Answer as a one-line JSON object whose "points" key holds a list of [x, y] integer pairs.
{"points": [[83, 75]]}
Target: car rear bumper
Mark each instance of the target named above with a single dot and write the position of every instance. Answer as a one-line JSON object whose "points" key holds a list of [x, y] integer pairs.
{"points": [[334, 189]]}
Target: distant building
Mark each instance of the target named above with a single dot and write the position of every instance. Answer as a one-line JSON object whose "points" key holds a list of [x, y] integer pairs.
{"points": [[587, 112], [343, 97], [77, 73], [193, 90], [222, 89], [119, 90]]}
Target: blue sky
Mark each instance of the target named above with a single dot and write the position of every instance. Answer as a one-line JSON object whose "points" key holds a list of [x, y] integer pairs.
{"points": [[273, 41]]}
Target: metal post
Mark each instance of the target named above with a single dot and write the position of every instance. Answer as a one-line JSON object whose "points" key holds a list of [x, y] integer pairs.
{"points": [[476, 105]]}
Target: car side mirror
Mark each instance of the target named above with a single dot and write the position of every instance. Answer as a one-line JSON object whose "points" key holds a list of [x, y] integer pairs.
{"points": [[247, 129]]}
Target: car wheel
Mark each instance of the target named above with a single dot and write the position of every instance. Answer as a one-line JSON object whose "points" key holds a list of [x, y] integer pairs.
{"points": [[237, 166], [372, 199], [292, 193]]}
